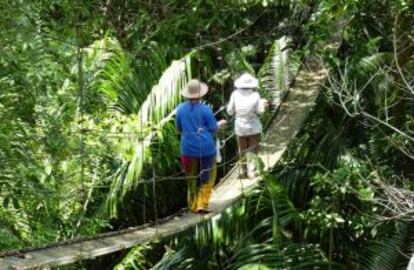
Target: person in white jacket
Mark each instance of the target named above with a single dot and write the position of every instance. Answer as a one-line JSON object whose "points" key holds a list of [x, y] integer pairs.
{"points": [[246, 104]]}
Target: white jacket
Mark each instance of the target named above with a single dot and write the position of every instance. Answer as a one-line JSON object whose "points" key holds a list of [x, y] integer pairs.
{"points": [[247, 105]]}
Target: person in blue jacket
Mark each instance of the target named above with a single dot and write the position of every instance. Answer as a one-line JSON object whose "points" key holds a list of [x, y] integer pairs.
{"points": [[197, 126]]}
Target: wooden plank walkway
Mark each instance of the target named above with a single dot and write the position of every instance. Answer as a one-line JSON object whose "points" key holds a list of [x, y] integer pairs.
{"points": [[285, 125]]}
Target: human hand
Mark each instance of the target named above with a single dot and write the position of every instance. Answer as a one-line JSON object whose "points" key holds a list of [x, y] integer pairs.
{"points": [[265, 103], [222, 123]]}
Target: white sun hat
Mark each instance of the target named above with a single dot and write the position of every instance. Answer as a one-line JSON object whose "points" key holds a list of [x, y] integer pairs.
{"points": [[194, 89], [246, 81]]}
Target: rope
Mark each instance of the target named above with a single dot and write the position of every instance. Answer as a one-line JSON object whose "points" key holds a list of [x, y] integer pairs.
{"points": [[81, 119], [199, 140], [81, 111], [105, 133], [144, 209], [144, 181], [155, 179], [220, 59], [154, 194], [82, 143], [32, 28]]}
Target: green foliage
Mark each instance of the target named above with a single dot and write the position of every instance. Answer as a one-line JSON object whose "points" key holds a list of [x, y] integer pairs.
{"points": [[343, 205], [136, 259], [389, 251], [65, 162], [276, 71], [341, 196]]}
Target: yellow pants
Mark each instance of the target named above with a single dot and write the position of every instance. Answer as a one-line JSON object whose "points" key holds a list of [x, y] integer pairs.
{"points": [[201, 175]]}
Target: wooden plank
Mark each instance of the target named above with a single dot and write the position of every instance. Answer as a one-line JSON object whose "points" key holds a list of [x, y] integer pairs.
{"points": [[284, 127]]}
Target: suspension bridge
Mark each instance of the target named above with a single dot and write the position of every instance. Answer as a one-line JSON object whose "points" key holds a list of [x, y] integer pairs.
{"points": [[283, 127]]}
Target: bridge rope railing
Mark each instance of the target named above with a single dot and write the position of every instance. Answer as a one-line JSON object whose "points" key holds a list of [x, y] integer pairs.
{"points": [[158, 227], [155, 178], [155, 223], [175, 176]]}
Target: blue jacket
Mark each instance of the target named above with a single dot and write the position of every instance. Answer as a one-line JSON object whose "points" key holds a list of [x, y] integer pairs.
{"points": [[197, 124]]}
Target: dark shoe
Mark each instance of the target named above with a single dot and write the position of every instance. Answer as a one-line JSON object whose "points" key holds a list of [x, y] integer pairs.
{"points": [[203, 211]]}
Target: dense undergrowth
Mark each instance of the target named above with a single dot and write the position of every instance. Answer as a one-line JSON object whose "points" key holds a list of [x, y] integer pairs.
{"points": [[74, 77]]}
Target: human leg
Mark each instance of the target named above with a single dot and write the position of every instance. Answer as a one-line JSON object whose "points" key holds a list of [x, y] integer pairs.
{"points": [[191, 165], [253, 146], [253, 143], [207, 180], [243, 147]]}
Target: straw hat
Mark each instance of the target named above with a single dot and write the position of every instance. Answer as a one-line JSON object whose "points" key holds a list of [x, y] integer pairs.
{"points": [[194, 89], [246, 81]]}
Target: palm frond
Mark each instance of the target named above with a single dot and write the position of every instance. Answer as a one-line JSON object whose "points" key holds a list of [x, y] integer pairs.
{"points": [[110, 67], [372, 63], [136, 259], [274, 74], [291, 256], [155, 111], [391, 252], [243, 62], [145, 74], [171, 259]]}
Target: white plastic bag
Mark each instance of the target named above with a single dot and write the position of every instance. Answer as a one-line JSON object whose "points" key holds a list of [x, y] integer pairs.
{"points": [[219, 159]]}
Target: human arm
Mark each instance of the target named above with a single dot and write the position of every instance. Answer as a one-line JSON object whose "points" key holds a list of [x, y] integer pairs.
{"points": [[212, 124], [210, 119], [231, 106], [261, 105], [222, 123]]}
